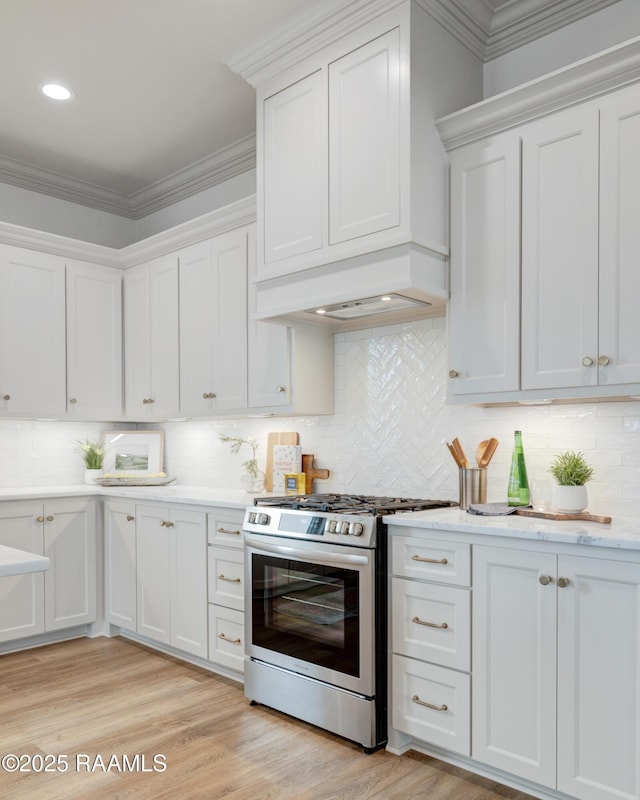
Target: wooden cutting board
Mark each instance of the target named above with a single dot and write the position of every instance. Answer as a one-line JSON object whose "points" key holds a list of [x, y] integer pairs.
{"points": [[283, 437], [582, 515]]}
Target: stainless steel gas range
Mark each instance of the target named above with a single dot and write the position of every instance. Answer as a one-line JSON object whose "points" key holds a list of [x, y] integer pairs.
{"points": [[316, 609]]}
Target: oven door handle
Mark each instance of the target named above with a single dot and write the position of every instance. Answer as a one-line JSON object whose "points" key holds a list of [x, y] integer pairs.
{"points": [[320, 555]]}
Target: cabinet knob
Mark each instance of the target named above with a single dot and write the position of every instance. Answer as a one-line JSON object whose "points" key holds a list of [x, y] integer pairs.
{"points": [[130, 517], [545, 580], [453, 373], [603, 361], [563, 582], [148, 400], [6, 397], [50, 518], [587, 361], [281, 389], [39, 519], [73, 401]]}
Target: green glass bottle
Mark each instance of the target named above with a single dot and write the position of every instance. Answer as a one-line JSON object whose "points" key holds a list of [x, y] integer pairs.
{"points": [[518, 489]]}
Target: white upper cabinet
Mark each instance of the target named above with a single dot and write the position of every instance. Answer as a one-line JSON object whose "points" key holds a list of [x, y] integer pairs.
{"points": [[560, 250], [364, 140], [32, 334], [484, 310], [213, 325], [619, 285], [151, 339], [294, 132], [94, 342]]}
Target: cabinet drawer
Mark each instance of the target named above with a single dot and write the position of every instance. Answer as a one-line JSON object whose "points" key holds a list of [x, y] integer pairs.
{"points": [[226, 637], [432, 623], [431, 560], [226, 530], [446, 719], [226, 577]]}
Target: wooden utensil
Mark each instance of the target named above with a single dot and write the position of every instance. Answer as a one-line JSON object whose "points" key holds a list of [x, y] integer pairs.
{"points": [[453, 452], [559, 515], [464, 462], [480, 452], [276, 438], [490, 446], [311, 472]]}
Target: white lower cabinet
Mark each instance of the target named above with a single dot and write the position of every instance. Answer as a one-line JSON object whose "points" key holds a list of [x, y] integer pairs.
{"points": [[171, 571], [556, 666], [533, 670], [120, 564], [226, 588], [65, 595], [431, 641]]}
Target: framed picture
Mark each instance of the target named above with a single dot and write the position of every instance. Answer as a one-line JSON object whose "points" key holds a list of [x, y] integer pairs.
{"points": [[133, 452]]}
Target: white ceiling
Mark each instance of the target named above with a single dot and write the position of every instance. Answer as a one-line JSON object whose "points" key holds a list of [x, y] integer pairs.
{"points": [[152, 94]]}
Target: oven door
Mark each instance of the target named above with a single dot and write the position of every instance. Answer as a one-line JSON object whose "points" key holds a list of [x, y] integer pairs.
{"points": [[309, 608]]}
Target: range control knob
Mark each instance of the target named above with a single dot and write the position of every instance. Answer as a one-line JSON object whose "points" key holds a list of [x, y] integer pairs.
{"points": [[263, 519], [343, 527], [252, 517], [332, 526], [356, 529]]}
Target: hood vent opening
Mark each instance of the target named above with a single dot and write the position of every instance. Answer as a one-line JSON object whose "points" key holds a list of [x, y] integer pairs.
{"points": [[367, 306]]}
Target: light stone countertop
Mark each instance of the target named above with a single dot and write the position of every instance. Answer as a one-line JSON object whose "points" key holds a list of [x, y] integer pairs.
{"points": [[19, 562], [623, 532], [172, 493]]}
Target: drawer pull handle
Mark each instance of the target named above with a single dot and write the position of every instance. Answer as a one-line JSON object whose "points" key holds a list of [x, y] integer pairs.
{"points": [[228, 639], [416, 699], [419, 621], [229, 580], [430, 560], [226, 530]]}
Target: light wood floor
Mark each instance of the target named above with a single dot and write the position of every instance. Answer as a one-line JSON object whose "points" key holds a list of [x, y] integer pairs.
{"points": [[92, 697]]}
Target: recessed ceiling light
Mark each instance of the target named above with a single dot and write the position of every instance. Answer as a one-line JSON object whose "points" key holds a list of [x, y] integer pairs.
{"points": [[56, 91]]}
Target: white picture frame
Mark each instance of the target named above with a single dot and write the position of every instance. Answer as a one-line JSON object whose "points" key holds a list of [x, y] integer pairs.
{"points": [[139, 453]]}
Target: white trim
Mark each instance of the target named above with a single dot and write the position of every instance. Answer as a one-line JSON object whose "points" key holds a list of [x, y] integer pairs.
{"points": [[234, 215], [586, 79], [226, 163]]}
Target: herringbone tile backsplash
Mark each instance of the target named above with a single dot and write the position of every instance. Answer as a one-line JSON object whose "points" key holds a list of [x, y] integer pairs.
{"points": [[386, 437]]}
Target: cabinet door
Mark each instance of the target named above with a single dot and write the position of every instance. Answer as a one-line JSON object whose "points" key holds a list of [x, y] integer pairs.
{"points": [[293, 176], [599, 679], [151, 339], [32, 334], [560, 251], [619, 329], [514, 664], [70, 581], [21, 596], [120, 564], [153, 559], [189, 582], [269, 360], [364, 139], [94, 342], [484, 309]]}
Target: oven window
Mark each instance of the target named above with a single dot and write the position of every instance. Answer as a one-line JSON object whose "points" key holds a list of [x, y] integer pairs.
{"points": [[307, 611]]}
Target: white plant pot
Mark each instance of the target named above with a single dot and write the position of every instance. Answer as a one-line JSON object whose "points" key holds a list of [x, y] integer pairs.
{"points": [[92, 475], [570, 499]]}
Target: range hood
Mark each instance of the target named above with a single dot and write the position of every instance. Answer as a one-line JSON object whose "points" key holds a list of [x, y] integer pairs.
{"points": [[412, 277]]}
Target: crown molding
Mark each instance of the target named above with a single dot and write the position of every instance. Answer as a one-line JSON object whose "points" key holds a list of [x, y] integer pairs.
{"points": [[486, 34], [304, 35], [222, 165], [214, 223], [611, 69]]}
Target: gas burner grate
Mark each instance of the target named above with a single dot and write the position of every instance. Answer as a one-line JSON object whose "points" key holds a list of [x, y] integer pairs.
{"points": [[351, 504]]}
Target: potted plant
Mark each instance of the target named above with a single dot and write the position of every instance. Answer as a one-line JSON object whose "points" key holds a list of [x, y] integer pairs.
{"points": [[93, 457], [252, 478], [571, 472]]}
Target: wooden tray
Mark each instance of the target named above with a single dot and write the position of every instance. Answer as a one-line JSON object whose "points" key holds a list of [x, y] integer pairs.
{"points": [[559, 515]]}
